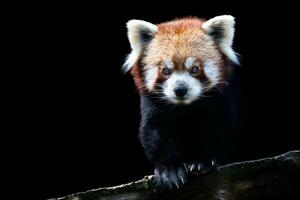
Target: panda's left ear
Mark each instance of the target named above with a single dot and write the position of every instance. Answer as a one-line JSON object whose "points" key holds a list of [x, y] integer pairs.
{"points": [[140, 33], [221, 29]]}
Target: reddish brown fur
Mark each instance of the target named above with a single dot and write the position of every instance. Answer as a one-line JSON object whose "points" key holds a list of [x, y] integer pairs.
{"points": [[180, 26], [138, 77], [177, 40], [180, 39]]}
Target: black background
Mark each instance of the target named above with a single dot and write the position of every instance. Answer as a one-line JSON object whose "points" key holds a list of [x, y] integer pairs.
{"points": [[83, 113]]}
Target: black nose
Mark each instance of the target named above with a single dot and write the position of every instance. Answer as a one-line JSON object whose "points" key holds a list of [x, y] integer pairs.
{"points": [[180, 90]]}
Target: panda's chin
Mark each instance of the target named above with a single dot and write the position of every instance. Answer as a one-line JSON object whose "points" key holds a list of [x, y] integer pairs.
{"points": [[182, 101]]}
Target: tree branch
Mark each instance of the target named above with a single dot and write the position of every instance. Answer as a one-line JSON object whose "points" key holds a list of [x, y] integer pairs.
{"points": [[268, 178]]}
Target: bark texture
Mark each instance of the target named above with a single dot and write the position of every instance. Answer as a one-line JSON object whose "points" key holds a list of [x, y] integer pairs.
{"points": [[269, 178]]}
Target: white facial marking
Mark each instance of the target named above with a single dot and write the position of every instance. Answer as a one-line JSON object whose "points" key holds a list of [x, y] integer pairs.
{"points": [[150, 77], [169, 64], [190, 62], [194, 87], [212, 72]]}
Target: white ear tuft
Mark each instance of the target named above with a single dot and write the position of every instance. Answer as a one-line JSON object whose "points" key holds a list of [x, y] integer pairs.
{"points": [[140, 34], [221, 29]]}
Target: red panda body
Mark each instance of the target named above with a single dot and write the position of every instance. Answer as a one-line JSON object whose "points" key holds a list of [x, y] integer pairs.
{"points": [[176, 65]]}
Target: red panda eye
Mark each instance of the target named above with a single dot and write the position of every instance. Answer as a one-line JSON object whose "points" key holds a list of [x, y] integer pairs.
{"points": [[195, 70], [166, 71]]}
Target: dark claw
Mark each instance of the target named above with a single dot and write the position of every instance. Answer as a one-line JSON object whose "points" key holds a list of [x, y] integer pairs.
{"points": [[213, 163], [166, 178], [174, 178], [169, 176], [192, 167], [182, 174], [185, 166], [157, 174], [201, 166]]}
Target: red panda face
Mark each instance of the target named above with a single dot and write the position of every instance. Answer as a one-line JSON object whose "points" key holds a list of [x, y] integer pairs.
{"points": [[182, 59], [182, 85]]}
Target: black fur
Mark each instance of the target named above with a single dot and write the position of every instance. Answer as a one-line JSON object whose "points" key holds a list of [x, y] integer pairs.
{"points": [[146, 36], [175, 136], [217, 32]]}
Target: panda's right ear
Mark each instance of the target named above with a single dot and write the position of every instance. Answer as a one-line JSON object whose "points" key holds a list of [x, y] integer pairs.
{"points": [[140, 33]]}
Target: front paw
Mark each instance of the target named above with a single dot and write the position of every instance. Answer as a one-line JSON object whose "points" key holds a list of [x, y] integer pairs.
{"points": [[201, 167], [171, 175]]}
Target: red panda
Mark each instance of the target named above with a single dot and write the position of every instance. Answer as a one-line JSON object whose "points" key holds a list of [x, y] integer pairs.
{"points": [[175, 65]]}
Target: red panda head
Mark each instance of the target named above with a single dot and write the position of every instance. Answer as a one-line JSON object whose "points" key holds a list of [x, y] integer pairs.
{"points": [[182, 59]]}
